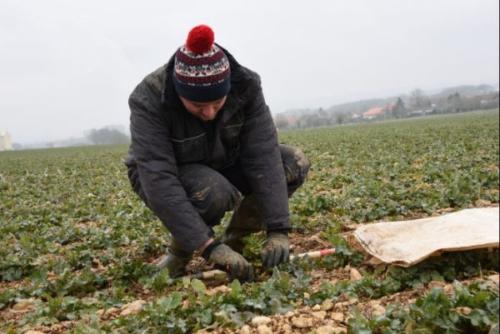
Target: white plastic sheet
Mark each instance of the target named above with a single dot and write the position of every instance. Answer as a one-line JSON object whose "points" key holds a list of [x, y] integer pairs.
{"points": [[406, 243]]}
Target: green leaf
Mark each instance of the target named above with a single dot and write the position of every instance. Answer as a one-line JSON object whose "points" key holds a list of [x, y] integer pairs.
{"points": [[236, 289], [171, 302], [198, 286]]}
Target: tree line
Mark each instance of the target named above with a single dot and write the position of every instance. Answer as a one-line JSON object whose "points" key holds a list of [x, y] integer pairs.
{"points": [[417, 103], [107, 136]]}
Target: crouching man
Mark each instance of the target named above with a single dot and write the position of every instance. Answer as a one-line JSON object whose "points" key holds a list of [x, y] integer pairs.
{"points": [[203, 143]]}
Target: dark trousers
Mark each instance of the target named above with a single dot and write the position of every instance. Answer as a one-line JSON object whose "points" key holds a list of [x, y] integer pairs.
{"points": [[213, 193]]}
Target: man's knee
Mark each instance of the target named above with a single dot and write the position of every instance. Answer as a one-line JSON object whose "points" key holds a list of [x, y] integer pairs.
{"points": [[296, 166], [209, 192]]}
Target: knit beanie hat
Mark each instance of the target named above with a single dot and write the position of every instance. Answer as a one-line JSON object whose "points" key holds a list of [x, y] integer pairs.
{"points": [[201, 69]]}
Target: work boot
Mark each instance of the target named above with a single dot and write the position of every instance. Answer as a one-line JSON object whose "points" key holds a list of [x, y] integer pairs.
{"points": [[175, 261], [246, 219]]}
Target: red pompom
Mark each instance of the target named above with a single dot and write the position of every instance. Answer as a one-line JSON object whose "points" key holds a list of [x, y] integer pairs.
{"points": [[200, 39]]}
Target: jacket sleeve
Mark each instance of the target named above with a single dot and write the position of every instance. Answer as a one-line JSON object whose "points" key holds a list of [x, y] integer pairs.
{"points": [[157, 170], [261, 160]]}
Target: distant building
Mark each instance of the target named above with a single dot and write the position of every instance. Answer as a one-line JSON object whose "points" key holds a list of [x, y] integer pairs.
{"points": [[5, 141], [422, 112], [376, 112], [292, 120], [373, 112]]}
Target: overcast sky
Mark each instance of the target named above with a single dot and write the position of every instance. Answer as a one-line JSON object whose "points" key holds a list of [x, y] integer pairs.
{"points": [[68, 66]]}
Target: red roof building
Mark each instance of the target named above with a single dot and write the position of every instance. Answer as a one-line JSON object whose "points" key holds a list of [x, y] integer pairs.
{"points": [[373, 112]]}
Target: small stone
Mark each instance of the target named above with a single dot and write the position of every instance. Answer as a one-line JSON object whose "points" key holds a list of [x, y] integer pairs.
{"points": [[317, 274], [373, 261], [289, 314], [436, 284], [220, 288], [245, 330], [203, 331], [325, 330], [89, 301], [112, 311], [263, 329], [133, 307], [286, 329], [319, 315], [327, 305], [260, 320], [494, 278], [355, 274], [464, 310], [342, 304], [33, 332], [339, 330], [448, 289], [349, 302], [482, 203], [307, 295], [378, 310], [353, 301], [302, 322], [316, 307], [24, 304], [337, 316]]}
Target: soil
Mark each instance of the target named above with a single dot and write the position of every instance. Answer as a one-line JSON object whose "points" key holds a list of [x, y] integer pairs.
{"points": [[327, 317]]}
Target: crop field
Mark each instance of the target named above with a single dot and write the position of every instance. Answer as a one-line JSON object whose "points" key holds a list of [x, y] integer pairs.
{"points": [[77, 246]]}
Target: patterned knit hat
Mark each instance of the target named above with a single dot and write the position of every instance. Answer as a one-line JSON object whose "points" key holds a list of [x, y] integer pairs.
{"points": [[201, 71]]}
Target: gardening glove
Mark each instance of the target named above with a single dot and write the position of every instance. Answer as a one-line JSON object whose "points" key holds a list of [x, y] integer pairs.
{"points": [[230, 261], [276, 249]]}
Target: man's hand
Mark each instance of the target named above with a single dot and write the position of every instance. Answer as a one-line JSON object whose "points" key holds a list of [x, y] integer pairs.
{"points": [[276, 250], [232, 262]]}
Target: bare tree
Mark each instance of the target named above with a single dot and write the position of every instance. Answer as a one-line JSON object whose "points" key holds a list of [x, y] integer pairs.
{"points": [[399, 109], [340, 118], [418, 100], [107, 136], [455, 103]]}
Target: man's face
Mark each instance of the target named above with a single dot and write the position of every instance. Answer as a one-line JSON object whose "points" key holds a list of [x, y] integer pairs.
{"points": [[206, 111]]}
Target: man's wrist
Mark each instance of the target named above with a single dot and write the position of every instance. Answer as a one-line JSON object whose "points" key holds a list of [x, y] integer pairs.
{"points": [[209, 248], [281, 231], [205, 245]]}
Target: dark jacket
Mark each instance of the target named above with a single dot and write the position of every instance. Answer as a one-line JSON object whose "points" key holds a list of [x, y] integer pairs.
{"points": [[165, 135]]}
